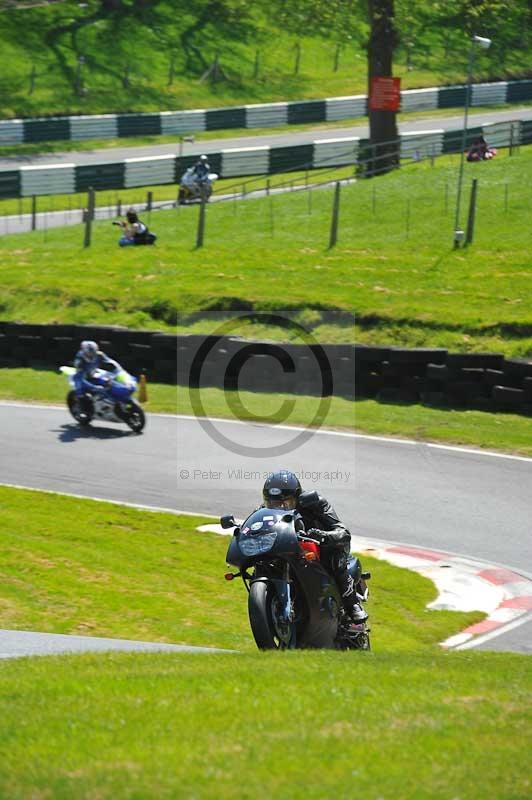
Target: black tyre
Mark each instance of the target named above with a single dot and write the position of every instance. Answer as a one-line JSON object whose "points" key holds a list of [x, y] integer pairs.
{"points": [[135, 417], [353, 637], [81, 408], [205, 193], [269, 631], [363, 642]]}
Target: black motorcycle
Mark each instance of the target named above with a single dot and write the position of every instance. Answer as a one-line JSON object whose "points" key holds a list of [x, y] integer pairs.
{"points": [[293, 602]]}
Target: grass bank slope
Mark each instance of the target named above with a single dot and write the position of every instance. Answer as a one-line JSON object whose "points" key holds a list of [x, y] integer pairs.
{"points": [[64, 59], [393, 277], [298, 725], [403, 721], [79, 566]]}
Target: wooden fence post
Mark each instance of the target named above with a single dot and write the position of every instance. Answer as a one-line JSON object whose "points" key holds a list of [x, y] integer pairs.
{"points": [[89, 216], [335, 214], [297, 48], [471, 215], [201, 225]]}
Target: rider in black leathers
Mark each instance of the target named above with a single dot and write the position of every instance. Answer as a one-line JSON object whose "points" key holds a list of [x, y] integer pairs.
{"points": [[283, 490]]}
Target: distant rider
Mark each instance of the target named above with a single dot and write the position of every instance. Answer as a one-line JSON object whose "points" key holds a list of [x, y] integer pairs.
{"points": [[87, 359], [283, 490], [202, 168]]}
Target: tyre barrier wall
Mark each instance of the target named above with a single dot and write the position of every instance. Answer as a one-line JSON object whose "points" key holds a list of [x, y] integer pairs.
{"points": [[436, 377], [265, 115], [232, 163]]}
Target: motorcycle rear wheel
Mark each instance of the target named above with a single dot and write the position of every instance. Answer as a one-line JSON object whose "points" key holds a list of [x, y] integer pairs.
{"points": [[80, 410], [269, 632]]}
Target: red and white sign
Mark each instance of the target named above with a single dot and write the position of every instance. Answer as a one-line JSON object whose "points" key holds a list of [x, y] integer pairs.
{"points": [[385, 94]]}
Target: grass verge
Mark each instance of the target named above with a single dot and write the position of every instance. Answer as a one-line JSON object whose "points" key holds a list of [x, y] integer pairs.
{"points": [[505, 432], [304, 725], [92, 568], [393, 278], [393, 722]]}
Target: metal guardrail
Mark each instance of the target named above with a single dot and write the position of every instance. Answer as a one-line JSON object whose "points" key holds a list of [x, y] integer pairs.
{"points": [[259, 161], [264, 115]]}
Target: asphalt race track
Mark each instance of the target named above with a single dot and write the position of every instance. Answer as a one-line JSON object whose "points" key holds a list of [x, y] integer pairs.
{"points": [[285, 137], [465, 502]]}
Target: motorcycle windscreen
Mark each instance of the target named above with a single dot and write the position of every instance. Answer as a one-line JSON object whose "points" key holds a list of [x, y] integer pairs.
{"points": [[258, 532], [122, 385]]}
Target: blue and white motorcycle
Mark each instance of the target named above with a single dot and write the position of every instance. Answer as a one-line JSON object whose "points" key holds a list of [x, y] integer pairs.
{"points": [[112, 403]]}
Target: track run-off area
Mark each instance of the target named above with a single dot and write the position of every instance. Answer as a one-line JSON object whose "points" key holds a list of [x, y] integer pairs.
{"points": [[471, 503]]}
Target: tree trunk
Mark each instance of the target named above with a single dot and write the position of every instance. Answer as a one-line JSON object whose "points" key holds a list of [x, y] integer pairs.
{"points": [[384, 149]]}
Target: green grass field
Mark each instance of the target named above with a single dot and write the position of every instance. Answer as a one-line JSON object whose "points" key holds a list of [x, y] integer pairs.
{"points": [[505, 432], [403, 721], [392, 278], [148, 86], [104, 570]]}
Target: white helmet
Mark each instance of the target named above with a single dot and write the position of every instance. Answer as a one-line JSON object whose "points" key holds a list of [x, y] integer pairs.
{"points": [[89, 351], [203, 158]]}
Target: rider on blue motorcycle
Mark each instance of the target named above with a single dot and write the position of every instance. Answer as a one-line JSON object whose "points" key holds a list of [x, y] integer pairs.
{"points": [[283, 490], [87, 359]]}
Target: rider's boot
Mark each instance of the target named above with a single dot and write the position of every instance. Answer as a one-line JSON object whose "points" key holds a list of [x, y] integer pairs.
{"points": [[351, 606]]}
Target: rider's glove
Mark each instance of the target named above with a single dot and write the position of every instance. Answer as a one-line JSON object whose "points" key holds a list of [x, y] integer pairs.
{"points": [[315, 533]]}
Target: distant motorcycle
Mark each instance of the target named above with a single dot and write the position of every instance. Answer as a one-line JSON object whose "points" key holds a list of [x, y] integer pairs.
{"points": [[293, 602], [114, 404], [195, 190]]}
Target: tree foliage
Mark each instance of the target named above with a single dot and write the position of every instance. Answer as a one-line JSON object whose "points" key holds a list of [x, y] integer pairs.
{"points": [[101, 34]]}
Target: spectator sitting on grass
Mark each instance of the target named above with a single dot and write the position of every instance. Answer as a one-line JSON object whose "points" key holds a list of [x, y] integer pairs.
{"points": [[134, 230]]}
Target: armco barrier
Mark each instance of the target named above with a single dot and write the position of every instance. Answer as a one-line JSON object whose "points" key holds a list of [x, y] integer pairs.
{"points": [[11, 131], [419, 100], [10, 184], [338, 108], [267, 115], [138, 124], [335, 152], [433, 376], [149, 171], [103, 126], [487, 94], [53, 179], [100, 176], [247, 161], [421, 144], [178, 123], [232, 163]]}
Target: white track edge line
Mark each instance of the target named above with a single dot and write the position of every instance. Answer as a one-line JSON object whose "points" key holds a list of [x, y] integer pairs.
{"points": [[485, 637], [318, 431]]}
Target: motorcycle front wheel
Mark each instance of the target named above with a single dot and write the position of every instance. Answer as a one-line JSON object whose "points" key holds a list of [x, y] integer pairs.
{"points": [[135, 417], [80, 408], [269, 630]]}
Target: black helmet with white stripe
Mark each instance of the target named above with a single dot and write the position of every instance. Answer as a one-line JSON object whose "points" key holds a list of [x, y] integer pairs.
{"points": [[281, 490]]}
